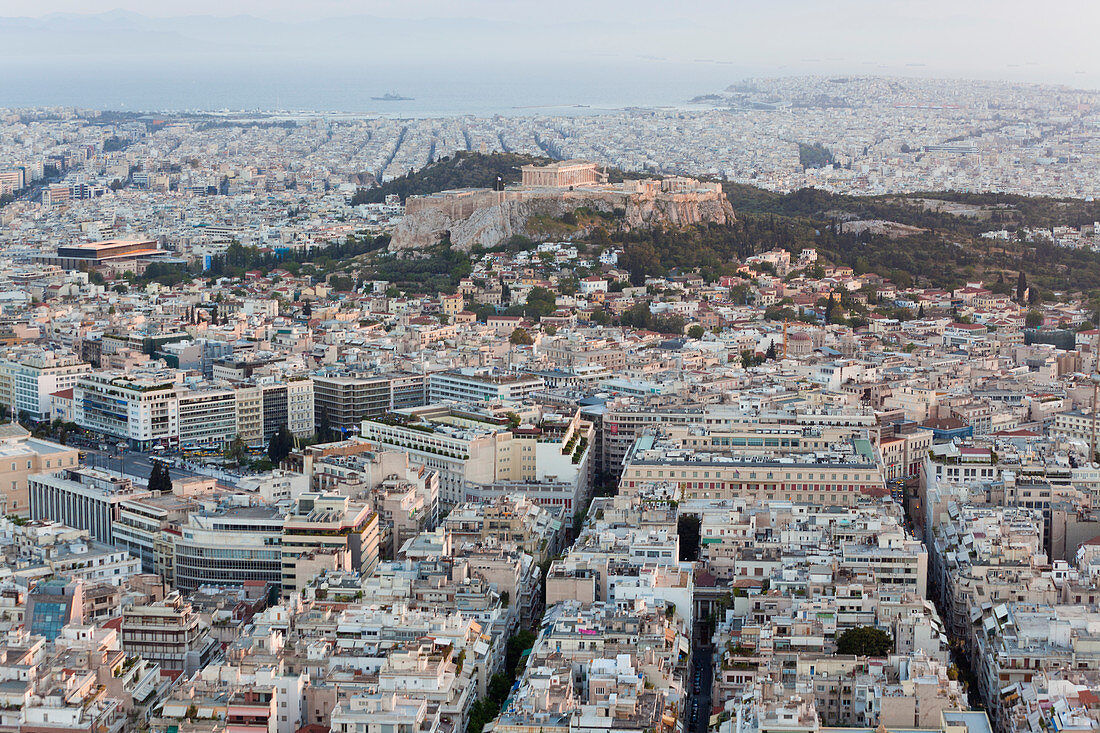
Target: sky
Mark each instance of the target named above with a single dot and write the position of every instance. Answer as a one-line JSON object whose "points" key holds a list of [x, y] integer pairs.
{"points": [[406, 44], [1055, 38]]}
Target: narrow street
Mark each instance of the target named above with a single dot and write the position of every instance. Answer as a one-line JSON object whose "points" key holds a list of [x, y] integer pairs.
{"points": [[702, 674]]}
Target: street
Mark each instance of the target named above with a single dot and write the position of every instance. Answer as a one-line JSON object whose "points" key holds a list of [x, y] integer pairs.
{"points": [[702, 675], [140, 465]]}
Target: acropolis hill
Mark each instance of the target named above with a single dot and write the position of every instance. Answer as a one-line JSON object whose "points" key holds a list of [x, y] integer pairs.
{"points": [[489, 217]]}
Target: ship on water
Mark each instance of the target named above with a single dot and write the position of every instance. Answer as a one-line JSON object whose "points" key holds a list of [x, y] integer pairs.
{"points": [[393, 97]]}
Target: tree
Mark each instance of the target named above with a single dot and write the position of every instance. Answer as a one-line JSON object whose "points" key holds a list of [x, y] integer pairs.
{"points": [[159, 478], [514, 650], [637, 316], [520, 337], [770, 353], [865, 641], [1033, 319], [280, 445], [540, 302], [237, 451], [696, 331], [307, 310], [1021, 287]]}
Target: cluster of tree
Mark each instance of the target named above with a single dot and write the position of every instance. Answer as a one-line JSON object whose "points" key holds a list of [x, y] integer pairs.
{"points": [[160, 479], [520, 337], [437, 269], [540, 302], [280, 445], [814, 156], [939, 256], [462, 170], [865, 641], [687, 528], [485, 709], [239, 259], [639, 316]]}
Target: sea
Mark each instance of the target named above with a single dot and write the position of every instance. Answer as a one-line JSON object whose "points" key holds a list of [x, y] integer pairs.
{"points": [[474, 88], [480, 90]]}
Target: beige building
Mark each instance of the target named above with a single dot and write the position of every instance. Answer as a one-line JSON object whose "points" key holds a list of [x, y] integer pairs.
{"points": [[327, 532], [562, 174], [250, 414], [22, 456]]}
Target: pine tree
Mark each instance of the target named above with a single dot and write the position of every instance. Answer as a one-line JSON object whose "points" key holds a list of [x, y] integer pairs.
{"points": [[280, 445], [770, 353], [1021, 286], [159, 478]]}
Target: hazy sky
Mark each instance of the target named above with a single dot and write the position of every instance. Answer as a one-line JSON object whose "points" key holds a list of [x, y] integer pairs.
{"points": [[1028, 40]]}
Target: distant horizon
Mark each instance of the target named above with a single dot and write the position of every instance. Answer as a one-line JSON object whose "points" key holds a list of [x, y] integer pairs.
{"points": [[658, 91], [495, 56]]}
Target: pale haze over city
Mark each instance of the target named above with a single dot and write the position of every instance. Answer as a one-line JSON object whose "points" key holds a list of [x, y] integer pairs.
{"points": [[489, 366]]}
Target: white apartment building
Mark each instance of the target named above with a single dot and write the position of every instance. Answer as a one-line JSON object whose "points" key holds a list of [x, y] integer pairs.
{"points": [[27, 380], [155, 407], [481, 385], [478, 458]]}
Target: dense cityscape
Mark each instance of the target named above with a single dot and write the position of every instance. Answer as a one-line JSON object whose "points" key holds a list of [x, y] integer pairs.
{"points": [[645, 421]]}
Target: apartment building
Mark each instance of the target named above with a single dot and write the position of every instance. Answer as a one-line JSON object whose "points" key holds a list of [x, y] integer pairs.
{"points": [[167, 633], [28, 378], [473, 449], [668, 469], [208, 416], [327, 532], [481, 385], [153, 406]]}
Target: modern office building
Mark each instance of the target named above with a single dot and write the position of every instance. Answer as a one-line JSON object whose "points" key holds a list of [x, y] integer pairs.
{"points": [[289, 403], [139, 408], [84, 498], [342, 401], [229, 546], [52, 604]]}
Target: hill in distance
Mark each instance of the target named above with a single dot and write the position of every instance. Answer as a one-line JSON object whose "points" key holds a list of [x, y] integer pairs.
{"points": [[927, 239]]}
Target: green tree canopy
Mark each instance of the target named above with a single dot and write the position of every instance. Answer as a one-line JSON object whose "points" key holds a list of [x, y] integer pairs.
{"points": [[865, 641], [520, 337]]}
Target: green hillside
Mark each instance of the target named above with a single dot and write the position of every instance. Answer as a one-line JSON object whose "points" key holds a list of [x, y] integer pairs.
{"points": [[461, 170]]}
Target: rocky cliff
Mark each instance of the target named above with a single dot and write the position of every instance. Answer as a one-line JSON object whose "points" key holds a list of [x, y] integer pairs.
{"points": [[490, 218]]}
